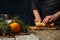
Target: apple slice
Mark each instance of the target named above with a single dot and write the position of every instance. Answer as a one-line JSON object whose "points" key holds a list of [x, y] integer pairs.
{"points": [[52, 25], [38, 24], [33, 28]]}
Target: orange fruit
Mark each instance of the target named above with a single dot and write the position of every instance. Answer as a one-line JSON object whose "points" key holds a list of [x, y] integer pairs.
{"points": [[15, 27]]}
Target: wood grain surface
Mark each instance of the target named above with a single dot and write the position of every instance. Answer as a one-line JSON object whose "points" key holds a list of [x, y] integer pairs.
{"points": [[44, 34]]}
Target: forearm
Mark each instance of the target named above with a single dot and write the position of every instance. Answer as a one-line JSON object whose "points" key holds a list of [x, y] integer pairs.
{"points": [[36, 13], [57, 14]]}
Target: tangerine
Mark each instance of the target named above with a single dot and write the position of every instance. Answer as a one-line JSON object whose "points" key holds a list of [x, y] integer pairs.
{"points": [[15, 27]]}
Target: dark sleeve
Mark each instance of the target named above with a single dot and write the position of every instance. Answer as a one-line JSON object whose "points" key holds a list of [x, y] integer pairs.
{"points": [[33, 6], [51, 6], [57, 5]]}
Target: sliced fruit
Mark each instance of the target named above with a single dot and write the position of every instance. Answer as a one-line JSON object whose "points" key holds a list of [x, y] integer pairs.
{"points": [[33, 28], [52, 25], [38, 24]]}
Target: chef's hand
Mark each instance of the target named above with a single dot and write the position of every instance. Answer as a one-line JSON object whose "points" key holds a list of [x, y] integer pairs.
{"points": [[37, 19], [50, 18]]}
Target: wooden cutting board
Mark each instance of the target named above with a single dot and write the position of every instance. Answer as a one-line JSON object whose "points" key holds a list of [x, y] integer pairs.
{"points": [[43, 28]]}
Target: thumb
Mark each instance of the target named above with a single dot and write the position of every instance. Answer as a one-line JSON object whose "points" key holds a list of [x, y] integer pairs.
{"points": [[50, 20]]}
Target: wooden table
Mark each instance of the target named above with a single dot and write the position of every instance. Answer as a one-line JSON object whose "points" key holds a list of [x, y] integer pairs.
{"points": [[37, 35], [47, 34], [21, 37]]}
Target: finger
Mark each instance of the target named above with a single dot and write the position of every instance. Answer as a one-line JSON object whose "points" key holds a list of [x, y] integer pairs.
{"points": [[35, 20], [46, 20], [38, 20], [50, 20]]}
